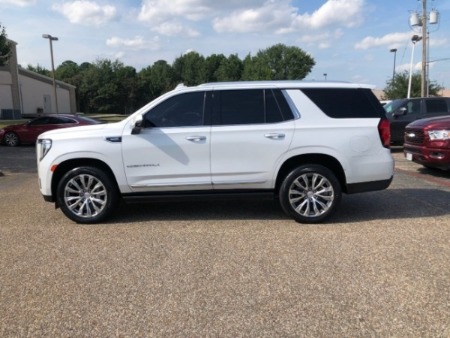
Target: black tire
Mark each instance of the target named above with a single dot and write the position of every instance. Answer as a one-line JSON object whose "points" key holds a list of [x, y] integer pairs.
{"points": [[87, 195], [310, 193], [11, 139]]}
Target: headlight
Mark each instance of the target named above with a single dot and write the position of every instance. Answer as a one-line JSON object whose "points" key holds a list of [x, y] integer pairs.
{"points": [[439, 135], [43, 147]]}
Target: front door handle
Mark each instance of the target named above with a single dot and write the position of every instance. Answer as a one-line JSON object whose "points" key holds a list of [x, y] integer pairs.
{"points": [[275, 136], [196, 138]]}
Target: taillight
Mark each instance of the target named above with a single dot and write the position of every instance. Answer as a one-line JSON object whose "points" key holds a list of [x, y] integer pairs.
{"points": [[384, 129]]}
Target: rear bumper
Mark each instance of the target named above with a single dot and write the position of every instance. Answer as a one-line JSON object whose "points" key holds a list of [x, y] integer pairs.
{"points": [[368, 186]]}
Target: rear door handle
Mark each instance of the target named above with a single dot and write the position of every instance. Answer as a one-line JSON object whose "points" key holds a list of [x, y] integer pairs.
{"points": [[196, 138], [275, 136]]}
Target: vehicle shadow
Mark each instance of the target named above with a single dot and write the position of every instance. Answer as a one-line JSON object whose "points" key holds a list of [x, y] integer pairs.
{"points": [[381, 205], [434, 172], [393, 204]]}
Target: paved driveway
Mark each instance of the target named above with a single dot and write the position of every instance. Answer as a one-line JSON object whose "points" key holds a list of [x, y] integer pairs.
{"points": [[380, 268], [18, 159]]}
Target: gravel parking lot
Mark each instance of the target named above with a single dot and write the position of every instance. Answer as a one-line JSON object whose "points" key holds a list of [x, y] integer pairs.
{"points": [[380, 268]]}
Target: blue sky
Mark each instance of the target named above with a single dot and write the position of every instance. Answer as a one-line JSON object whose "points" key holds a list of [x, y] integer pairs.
{"points": [[349, 39]]}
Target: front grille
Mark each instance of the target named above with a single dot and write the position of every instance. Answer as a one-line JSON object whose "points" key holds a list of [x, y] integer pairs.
{"points": [[414, 136]]}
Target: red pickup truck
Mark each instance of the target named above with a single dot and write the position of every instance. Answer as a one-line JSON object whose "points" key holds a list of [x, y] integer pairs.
{"points": [[427, 142]]}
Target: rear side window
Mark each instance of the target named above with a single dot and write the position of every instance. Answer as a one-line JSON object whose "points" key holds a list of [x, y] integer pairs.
{"points": [[436, 106], [250, 106], [346, 102], [62, 120]]}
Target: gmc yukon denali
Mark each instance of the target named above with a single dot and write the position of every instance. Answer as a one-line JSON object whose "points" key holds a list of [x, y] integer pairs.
{"points": [[303, 143]]}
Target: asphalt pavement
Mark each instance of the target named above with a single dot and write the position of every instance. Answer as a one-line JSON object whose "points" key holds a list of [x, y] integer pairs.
{"points": [[379, 268]]}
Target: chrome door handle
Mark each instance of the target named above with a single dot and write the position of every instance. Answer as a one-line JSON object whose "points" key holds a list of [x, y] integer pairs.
{"points": [[196, 138], [275, 136]]}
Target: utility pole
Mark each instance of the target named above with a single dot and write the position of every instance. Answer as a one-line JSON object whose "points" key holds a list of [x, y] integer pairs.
{"points": [[424, 86], [419, 23]]}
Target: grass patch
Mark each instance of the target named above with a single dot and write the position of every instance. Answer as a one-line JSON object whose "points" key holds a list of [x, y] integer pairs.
{"points": [[4, 123]]}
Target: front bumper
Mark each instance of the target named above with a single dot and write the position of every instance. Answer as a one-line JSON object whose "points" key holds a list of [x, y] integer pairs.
{"points": [[430, 157]]}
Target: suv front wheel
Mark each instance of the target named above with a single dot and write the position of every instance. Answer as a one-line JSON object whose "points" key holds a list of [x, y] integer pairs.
{"points": [[87, 195], [310, 193]]}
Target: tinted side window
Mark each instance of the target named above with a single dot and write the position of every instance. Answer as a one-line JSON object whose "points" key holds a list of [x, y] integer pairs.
{"points": [[250, 106], [40, 121], [346, 102], [177, 111], [412, 107], [436, 106], [62, 120], [273, 111], [241, 107]]}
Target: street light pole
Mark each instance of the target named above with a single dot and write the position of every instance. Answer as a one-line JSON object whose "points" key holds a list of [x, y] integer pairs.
{"points": [[393, 50], [414, 39], [51, 39]]}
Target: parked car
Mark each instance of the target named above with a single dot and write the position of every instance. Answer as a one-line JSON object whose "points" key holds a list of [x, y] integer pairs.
{"points": [[404, 111], [427, 142], [28, 132], [304, 143]]}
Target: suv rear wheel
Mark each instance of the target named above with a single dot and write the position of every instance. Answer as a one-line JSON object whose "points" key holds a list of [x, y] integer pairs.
{"points": [[310, 193], [87, 195]]}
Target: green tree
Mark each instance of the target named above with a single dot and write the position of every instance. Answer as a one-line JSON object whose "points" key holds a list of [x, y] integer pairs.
{"points": [[127, 85], [108, 87], [68, 71], [155, 80], [397, 87], [230, 69], [212, 63], [190, 69], [5, 48], [71, 73], [255, 69], [40, 70], [279, 62]]}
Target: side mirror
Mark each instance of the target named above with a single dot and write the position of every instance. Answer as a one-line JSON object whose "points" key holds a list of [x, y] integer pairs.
{"points": [[137, 127], [400, 112]]}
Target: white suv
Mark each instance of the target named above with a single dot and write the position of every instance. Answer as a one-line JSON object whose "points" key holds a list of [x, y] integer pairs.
{"points": [[303, 143]]}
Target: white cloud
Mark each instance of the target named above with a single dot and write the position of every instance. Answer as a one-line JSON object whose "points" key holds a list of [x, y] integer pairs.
{"points": [[268, 17], [281, 17], [19, 3], [347, 13], [175, 29], [405, 66], [86, 12], [275, 16], [323, 40], [136, 43], [438, 42], [160, 10], [392, 40]]}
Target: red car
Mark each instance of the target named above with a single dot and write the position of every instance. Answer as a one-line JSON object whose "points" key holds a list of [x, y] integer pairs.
{"points": [[427, 142], [28, 132]]}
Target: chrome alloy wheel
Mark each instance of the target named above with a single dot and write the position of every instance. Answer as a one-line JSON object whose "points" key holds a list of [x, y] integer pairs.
{"points": [[85, 195], [311, 195]]}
